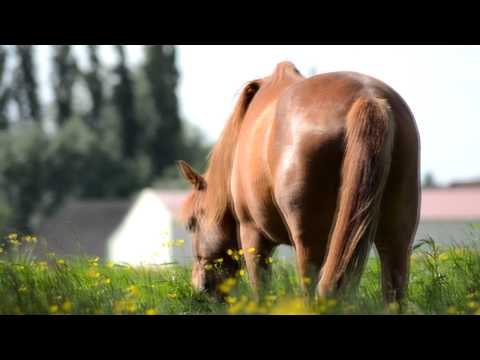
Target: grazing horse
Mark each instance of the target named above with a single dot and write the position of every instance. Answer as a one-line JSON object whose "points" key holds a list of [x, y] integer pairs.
{"points": [[327, 164]]}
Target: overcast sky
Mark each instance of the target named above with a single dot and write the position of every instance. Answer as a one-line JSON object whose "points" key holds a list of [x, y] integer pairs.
{"points": [[440, 84]]}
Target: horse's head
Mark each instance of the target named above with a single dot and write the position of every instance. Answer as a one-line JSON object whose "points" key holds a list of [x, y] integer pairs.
{"points": [[211, 239]]}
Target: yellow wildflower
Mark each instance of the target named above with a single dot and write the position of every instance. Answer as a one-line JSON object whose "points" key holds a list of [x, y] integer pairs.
{"points": [[219, 260], [269, 260], [251, 250], [67, 306], [172, 295], [452, 310], [94, 262], [61, 262], [208, 267], [393, 307], [443, 257], [119, 306], [109, 264], [131, 307], [306, 280], [240, 252], [231, 281], [227, 285], [133, 290], [251, 307], [179, 242], [29, 239], [151, 312], [235, 308], [472, 305], [293, 307], [230, 252], [12, 236], [93, 274], [53, 309], [107, 281], [14, 242], [231, 300], [241, 272], [42, 265], [168, 244]]}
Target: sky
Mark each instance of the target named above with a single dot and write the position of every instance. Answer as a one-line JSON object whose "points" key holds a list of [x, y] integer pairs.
{"points": [[439, 83]]}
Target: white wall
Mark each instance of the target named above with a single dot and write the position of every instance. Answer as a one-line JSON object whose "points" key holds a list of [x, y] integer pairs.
{"points": [[142, 236]]}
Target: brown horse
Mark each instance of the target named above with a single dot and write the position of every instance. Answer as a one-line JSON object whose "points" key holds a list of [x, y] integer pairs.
{"points": [[327, 164]]}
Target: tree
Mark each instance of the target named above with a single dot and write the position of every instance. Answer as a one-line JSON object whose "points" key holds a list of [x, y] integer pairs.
{"points": [[124, 100], [429, 181], [27, 82], [95, 87], [22, 175], [162, 76], [65, 72], [4, 90]]}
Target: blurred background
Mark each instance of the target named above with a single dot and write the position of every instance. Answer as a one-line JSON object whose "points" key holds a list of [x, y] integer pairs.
{"points": [[90, 134]]}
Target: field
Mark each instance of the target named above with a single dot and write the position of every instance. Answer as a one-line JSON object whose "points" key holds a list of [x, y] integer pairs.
{"points": [[442, 281]]}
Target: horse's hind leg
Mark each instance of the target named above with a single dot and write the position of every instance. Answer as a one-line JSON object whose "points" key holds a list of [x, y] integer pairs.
{"points": [[310, 251], [395, 235], [308, 226], [394, 259], [306, 192]]}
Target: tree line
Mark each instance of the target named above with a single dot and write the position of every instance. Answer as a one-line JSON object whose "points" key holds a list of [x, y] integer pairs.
{"points": [[109, 131]]}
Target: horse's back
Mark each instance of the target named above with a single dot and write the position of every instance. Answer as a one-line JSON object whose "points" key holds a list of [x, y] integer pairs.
{"points": [[311, 115]]}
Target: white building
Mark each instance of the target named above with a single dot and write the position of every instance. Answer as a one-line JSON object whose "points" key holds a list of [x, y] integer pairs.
{"points": [[150, 233]]}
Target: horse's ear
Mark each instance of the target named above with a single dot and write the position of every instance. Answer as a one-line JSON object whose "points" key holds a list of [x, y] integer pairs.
{"points": [[197, 181]]}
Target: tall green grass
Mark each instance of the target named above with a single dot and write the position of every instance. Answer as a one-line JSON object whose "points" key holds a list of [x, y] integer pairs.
{"points": [[442, 281]]}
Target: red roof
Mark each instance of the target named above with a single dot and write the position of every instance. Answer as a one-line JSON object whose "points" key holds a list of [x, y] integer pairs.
{"points": [[451, 204]]}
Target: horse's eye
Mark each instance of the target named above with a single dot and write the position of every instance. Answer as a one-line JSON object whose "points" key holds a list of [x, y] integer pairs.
{"points": [[191, 224]]}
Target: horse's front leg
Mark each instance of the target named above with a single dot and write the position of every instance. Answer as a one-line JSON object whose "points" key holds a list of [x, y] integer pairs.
{"points": [[257, 252]]}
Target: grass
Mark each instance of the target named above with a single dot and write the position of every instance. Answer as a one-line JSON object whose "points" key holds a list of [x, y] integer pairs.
{"points": [[442, 281]]}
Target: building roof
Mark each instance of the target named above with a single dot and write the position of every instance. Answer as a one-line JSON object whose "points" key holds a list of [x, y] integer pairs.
{"points": [[455, 203]]}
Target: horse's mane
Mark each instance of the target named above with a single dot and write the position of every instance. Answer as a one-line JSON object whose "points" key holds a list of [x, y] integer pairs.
{"points": [[220, 160]]}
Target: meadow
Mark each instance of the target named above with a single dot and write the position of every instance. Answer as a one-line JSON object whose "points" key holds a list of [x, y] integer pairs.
{"points": [[443, 280]]}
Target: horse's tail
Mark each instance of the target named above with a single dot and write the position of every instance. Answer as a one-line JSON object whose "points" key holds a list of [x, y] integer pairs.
{"points": [[366, 165]]}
